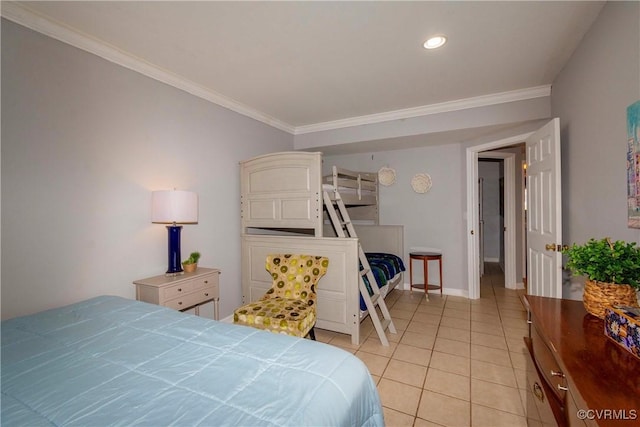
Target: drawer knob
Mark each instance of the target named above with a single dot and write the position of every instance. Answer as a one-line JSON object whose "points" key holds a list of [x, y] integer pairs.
{"points": [[179, 289], [206, 281], [179, 302], [557, 374], [206, 294], [562, 388]]}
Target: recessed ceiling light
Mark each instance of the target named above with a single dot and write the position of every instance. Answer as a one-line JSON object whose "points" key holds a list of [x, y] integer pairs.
{"points": [[435, 42]]}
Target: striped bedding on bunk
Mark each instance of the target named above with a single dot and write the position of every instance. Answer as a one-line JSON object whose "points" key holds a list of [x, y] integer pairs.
{"points": [[384, 267]]}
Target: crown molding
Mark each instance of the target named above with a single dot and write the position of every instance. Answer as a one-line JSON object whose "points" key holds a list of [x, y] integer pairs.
{"points": [[22, 15], [425, 110]]}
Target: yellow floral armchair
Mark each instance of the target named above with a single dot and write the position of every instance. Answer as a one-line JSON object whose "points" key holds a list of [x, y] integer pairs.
{"points": [[289, 306]]}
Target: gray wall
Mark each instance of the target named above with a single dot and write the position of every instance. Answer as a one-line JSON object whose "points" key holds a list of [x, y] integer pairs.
{"points": [[590, 96], [431, 220], [84, 142]]}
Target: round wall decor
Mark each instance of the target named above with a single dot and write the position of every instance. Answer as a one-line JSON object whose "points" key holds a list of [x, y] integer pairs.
{"points": [[421, 182], [386, 176]]}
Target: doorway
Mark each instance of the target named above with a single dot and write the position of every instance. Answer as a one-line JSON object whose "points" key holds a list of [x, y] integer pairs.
{"points": [[492, 151], [491, 213], [501, 191]]}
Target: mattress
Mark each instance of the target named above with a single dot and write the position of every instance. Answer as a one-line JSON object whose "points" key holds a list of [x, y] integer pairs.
{"points": [[384, 268], [113, 361]]}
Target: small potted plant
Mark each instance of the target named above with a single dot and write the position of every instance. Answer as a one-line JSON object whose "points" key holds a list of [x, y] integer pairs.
{"points": [[612, 270], [190, 264]]}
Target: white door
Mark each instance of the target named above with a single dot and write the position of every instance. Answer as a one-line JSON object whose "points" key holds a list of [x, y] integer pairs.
{"points": [[544, 222]]}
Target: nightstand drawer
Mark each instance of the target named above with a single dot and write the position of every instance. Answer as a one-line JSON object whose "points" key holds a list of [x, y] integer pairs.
{"points": [[205, 281], [177, 290], [189, 300], [188, 286]]}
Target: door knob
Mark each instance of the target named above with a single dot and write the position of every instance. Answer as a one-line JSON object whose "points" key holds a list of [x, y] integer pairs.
{"points": [[554, 247]]}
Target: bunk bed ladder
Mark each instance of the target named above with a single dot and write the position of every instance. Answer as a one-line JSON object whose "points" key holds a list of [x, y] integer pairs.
{"points": [[344, 228]]}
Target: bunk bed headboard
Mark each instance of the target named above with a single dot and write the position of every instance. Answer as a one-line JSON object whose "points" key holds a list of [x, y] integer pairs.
{"points": [[282, 191]]}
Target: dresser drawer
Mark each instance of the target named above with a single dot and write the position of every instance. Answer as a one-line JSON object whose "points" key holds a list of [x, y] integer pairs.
{"points": [[194, 298], [189, 286], [181, 289], [205, 281], [548, 365], [540, 404]]}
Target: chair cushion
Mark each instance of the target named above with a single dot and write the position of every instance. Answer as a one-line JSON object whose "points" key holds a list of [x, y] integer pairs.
{"points": [[280, 315], [295, 276]]}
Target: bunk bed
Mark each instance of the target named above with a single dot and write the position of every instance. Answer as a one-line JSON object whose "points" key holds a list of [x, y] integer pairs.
{"points": [[358, 190], [282, 209]]}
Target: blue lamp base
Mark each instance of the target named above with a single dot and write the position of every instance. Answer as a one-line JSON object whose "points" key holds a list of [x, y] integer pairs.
{"points": [[175, 266]]}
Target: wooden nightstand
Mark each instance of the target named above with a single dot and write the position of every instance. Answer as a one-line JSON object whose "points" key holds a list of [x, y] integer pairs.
{"points": [[182, 292]]}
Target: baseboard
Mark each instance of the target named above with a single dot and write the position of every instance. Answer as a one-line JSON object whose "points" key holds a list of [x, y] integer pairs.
{"points": [[445, 291], [456, 292], [515, 286]]}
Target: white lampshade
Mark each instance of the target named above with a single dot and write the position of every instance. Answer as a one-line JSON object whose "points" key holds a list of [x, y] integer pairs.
{"points": [[169, 206]]}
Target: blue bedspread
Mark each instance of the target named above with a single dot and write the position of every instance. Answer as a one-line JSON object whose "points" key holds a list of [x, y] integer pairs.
{"points": [[384, 267], [113, 361]]}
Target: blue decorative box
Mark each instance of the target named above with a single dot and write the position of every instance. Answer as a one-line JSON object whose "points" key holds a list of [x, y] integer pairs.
{"points": [[622, 325]]}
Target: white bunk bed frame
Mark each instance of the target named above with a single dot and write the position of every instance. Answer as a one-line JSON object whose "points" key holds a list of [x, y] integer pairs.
{"points": [[282, 211]]}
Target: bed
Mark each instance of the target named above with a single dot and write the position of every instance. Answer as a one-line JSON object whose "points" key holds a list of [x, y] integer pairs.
{"points": [[282, 211], [386, 268], [358, 190], [114, 361]]}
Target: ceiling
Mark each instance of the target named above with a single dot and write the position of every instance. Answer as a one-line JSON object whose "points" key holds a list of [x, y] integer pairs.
{"points": [[299, 64]]}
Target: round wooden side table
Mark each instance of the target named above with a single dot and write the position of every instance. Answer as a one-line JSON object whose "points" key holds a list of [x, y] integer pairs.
{"points": [[425, 257]]}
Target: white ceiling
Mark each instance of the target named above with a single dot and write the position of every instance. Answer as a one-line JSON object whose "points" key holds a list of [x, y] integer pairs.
{"points": [[300, 64]]}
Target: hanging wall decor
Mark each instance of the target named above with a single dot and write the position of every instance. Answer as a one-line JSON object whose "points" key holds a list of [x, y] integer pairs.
{"points": [[386, 176], [633, 165], [421, 183]]}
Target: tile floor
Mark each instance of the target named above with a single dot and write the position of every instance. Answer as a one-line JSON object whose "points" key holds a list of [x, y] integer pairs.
{"points": [[453, 362]]}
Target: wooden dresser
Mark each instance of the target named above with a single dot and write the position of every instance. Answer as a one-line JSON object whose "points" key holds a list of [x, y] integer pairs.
{"points": [[578, 377]]}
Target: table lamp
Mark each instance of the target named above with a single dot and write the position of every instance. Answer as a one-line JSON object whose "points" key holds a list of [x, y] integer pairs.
{"points": [[174, 207]]}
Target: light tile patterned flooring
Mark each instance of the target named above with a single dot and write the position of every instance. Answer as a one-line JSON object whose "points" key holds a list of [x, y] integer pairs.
{"points": [[453, 362]]}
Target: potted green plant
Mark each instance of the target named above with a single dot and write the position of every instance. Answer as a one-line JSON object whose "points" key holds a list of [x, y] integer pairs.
{"points": [[190, 264], [612, 270]]}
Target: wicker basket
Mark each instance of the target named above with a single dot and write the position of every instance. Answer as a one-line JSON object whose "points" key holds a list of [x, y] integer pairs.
{"points": [[598, 295]]}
